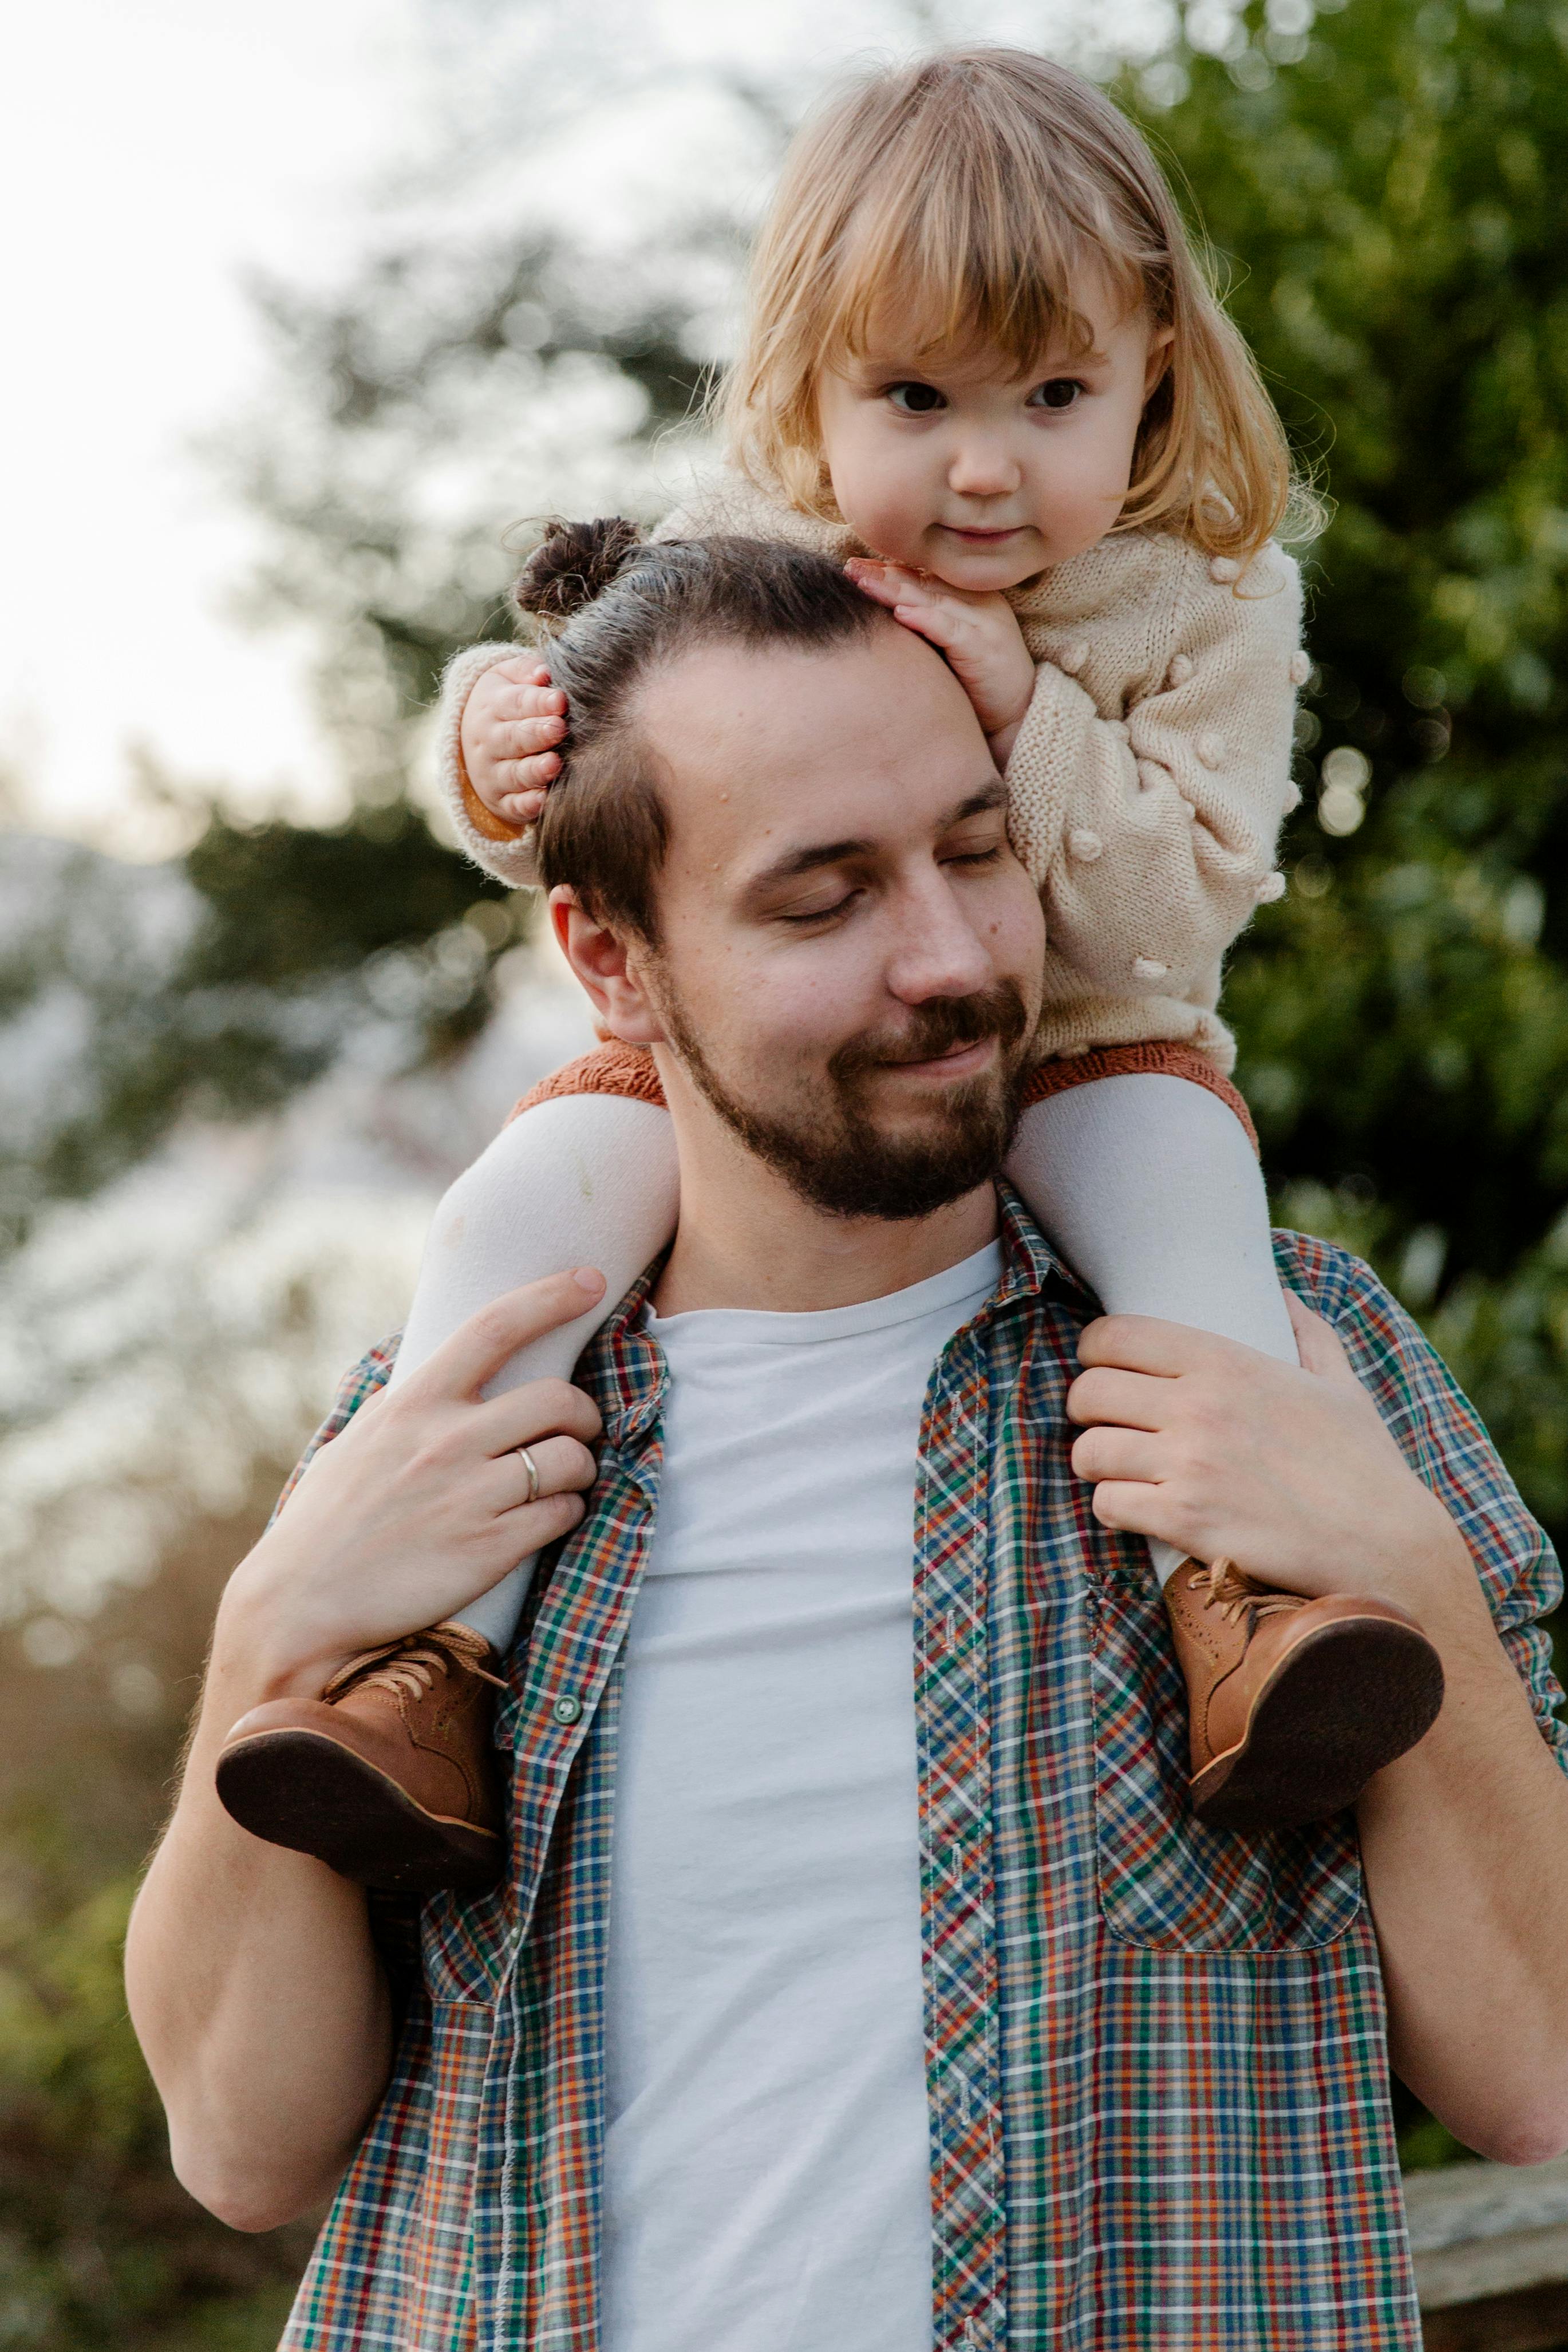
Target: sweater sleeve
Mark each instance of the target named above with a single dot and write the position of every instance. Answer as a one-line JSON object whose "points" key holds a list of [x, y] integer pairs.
{"points": [[1150, 834], [724, 502], [502, 849]]}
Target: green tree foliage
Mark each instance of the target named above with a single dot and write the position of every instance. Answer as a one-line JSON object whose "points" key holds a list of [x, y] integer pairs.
{"points": [[132, 998], [526, 368], [1385, 191], [100, 2245]]}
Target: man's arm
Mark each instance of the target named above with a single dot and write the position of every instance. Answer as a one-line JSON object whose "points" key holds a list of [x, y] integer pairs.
{"points": [[254, 1983], [254, 1988], [1464, 1839], [1465, 1845]]}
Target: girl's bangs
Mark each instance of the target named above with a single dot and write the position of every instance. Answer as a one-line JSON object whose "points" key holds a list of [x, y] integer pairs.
{"points": [[972, 275]]}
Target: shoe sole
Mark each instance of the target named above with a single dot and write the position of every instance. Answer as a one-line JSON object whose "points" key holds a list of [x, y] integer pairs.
{"points": [[301, 1789], [1352, 1699]]}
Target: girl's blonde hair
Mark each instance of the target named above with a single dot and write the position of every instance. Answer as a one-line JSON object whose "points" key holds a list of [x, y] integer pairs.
{"points": [[974, 189]]}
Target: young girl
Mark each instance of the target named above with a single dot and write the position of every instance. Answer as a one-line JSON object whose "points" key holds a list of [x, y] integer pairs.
{"points": [[983, 369]]}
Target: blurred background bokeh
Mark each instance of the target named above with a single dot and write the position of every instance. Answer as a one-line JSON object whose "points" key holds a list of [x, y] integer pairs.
{"points": [[317, 314]]}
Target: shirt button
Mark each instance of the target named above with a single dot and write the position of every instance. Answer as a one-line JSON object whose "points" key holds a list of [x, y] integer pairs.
{"points": [[567, 1709]]}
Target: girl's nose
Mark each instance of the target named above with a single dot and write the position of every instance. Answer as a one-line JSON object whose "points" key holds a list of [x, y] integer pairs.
{"points": [[984, 468]]}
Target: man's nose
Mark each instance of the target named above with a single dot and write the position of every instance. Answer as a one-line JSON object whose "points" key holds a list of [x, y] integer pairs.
{"points": [[936, 952], [984, 466]]}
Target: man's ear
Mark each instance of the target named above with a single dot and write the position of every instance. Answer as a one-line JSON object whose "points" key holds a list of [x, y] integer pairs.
{"points": [[609, 969]]}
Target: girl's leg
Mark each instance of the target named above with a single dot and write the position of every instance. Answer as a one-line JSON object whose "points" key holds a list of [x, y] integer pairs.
{"points": [[578, 1180], [367, 1778], [1148, 1184], [1150, 1188]]}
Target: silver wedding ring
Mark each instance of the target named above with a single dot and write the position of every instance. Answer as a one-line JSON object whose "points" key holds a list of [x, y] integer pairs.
{"points": [[532, 1467]]}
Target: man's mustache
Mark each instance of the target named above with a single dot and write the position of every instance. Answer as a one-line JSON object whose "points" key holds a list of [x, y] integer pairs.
{"points": [[940, 1027]]}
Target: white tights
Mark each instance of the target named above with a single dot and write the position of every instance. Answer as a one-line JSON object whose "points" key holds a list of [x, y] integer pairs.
{"points": [[1145, 1184]]}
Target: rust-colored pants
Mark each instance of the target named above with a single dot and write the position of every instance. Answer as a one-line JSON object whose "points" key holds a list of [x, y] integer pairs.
{"points": [[618, 1069]]}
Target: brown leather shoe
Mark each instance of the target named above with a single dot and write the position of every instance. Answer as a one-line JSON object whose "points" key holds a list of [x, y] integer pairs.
{"points": [[389, 1776], [1294, 1704]]}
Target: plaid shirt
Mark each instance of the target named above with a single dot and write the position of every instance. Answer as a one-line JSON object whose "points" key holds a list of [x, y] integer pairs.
{"points": [[1155, 2057]]}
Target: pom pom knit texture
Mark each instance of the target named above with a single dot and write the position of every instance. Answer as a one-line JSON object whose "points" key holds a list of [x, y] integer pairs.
{"points": [[1146, 786]]}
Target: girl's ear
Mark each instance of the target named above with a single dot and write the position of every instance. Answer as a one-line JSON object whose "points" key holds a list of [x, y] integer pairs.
{"points": [[1159, 358], [607, 967]]}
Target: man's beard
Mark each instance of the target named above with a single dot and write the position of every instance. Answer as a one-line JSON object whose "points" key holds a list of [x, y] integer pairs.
{"points": [[831, 1150]]}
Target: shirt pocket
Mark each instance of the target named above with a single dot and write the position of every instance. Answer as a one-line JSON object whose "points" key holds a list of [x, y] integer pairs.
{"points": [[465, 1940], [1167, 1884]]}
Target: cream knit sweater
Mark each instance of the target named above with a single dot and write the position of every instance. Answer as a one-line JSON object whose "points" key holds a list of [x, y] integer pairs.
{"points": [[1147, 783]]}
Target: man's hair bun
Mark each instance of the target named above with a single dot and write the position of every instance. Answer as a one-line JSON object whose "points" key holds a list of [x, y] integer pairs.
{"points": [[573, 563]]}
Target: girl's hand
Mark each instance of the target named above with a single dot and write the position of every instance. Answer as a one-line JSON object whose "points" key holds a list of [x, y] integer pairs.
{"points": [[980, 634], [512, 722]]}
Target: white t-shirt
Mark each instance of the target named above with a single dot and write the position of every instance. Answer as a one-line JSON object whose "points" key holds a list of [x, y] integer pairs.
{"points": [[768, 2167]]}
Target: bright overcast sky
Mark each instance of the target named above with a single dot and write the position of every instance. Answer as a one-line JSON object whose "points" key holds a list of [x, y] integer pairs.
{"points": [[148, 153]]}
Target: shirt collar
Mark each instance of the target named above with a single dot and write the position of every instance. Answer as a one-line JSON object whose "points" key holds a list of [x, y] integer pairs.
{"points": [[624, 1370], [1029, 1266]]}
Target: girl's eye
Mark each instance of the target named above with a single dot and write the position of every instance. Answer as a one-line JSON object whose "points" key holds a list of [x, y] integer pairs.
{"points": [[1060, 392], [915, 399]]}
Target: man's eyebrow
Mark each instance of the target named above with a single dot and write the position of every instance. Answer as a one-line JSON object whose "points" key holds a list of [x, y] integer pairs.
{"points": [[796, 862], [818, 853]]}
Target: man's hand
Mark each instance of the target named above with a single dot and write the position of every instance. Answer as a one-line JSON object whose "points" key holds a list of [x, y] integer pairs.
{"points": [[513, 724], [254, 1984], [980, 634], [422, 1504], [1226, 1453], [1464, 1838]]}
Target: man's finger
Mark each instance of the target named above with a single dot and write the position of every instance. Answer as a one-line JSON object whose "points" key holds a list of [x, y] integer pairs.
{"points": [[491, 1338], [562, 1467], [1118, 1454], [1135, 1506], [1319, 1344], [537, 1409], [1142, 1343], [1125, 1399]]}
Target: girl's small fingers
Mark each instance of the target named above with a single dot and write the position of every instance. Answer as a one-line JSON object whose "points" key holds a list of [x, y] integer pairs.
{"points": [[521, 737], [528, 775], [522, 808], [532, 702], [878, 587], [927, 620]]}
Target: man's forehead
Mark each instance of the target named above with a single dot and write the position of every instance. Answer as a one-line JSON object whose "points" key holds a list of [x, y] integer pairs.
{"points": [[762, 750]]}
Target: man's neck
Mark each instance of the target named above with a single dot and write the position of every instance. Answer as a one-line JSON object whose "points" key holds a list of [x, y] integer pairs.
{"points": [[746, 1239]]}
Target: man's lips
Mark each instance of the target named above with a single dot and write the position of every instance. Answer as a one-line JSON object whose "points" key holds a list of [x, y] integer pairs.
{"points": [[958, 1062]]}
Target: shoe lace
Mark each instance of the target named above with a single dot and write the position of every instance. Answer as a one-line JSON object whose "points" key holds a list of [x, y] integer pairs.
{"points": [[408, 1667], [1229, 1589]]}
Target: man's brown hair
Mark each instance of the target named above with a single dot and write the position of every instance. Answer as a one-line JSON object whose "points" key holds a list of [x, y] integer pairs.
{"points": [[610, 606]]}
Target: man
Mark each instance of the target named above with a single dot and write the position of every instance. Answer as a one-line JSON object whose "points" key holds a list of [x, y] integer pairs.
{"points": [[837, 1998]]}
